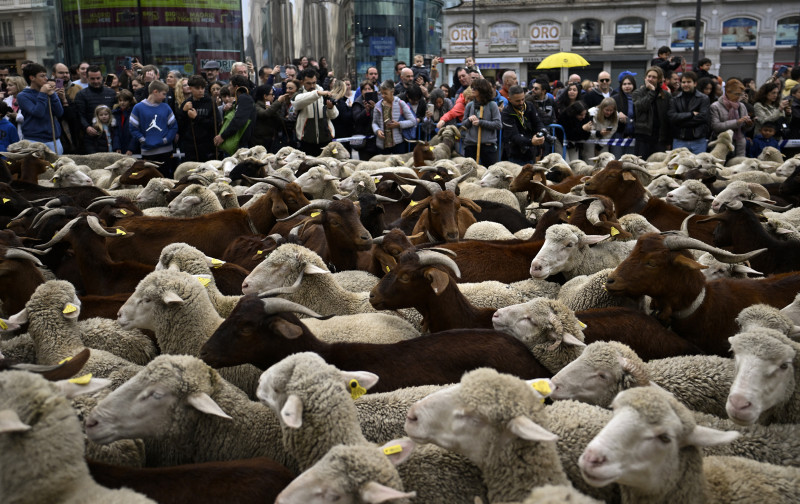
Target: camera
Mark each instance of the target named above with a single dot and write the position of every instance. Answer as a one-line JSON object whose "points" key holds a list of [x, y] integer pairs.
{"points": [[539, 134], [128, 62]]}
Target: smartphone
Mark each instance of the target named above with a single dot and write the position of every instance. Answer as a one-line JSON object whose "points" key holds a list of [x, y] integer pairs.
{"points": [[128, 62], [59, 83], [109, 80], [430, 108], [371, 96], [782, 70]]}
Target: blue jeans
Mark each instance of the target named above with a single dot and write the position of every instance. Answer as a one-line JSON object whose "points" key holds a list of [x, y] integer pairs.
{"points": [[694, 146]]}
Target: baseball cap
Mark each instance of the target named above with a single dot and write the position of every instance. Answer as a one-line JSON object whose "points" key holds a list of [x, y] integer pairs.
{"points": [[624, 74], [211, 65]]}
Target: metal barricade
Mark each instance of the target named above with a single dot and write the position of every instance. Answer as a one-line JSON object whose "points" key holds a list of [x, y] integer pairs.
{"points": [[553, 129]]}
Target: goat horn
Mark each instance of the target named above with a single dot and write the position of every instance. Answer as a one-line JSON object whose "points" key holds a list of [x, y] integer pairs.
{"points": [[634, 167], [60, 235], [449, 252], [685, 225], [758, 190], [101, 201], [743, 269], [769, 206], [432, 187], [15, 253], [378, 240], [275, 237], [278, 305], [452, 184], [596, 207], [566, 199], [283, 290], [431, 258], [46, 214], [677, 242], [317, 203], [384, 199], [94, 223], [22, 213], [428, 168], [345, 196]]}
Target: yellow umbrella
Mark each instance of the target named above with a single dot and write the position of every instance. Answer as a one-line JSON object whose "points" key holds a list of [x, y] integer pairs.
{"points": [[563, 60]]}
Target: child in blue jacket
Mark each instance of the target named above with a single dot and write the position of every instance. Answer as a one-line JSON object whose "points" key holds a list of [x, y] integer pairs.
{"points": [[154, 126], [765, 139], [8, 132]]}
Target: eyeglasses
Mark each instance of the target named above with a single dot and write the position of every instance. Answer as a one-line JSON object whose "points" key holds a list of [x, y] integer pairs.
{"points": [[605, 80]]}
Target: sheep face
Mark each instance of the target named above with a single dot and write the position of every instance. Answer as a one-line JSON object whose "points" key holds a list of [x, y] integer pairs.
{"points": [[185, 203], [147, 406], [497, 178], [734, 193], [594, 378], [66, 177], [314, 180], [683, 198], [155, 192], [561, 245], [643, 443], [523, 321], [156, 295], [661, 186], [764, 374], [788, 167]]}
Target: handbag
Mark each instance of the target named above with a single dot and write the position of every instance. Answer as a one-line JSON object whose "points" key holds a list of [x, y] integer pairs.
{"points": [[231, 144]]}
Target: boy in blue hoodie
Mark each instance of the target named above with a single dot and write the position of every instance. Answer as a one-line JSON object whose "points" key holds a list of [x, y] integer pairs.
{"points": [[765, 139], [41, 108], [154, 126], [8, 132]]}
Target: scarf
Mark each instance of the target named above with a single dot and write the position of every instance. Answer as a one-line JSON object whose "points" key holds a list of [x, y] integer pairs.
{"points": [[733, 115]]}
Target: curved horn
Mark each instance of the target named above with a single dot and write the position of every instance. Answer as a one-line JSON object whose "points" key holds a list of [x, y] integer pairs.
{"points": [[94, 223], [278, 305], [283, 290], [317, 203], [22, 213], [275, 180], [275, 237], [428, 169], [634, 167], [769, 206], [432, 187], [685, 225], [102, 198], [677, 242], [102, 201], [449, 252], [451, 185], [44, 215], [596, 207], [378, 240], [566, 199], [759, 190], [60, 235], [432, 258], [15, 253], [384, 199]]}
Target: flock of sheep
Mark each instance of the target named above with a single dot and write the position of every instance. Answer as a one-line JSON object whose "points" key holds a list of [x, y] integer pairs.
{"points": [[417, 328]]}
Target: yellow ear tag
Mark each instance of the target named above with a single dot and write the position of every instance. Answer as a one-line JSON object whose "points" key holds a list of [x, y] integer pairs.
{"points": [[377, 180], [4, 327], [314, 214], [121, 232], [134, 174], [69, 309], [6, 200], [388, 269], [542, 387], [123, 211], [335, 151], [437, 177], [54, 180], [431, 148], [259, 252], [66, 359], [82, 380], [583, 326], [391, 450], [204, 281], [192, 170], [216, 262], [413, 203], [614, 231], [356, 390]]}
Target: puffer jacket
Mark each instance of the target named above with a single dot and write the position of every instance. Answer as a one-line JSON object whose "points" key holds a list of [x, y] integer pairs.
{"points": [[645, 102]]}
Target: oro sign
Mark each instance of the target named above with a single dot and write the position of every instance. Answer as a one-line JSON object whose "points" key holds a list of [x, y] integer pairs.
{"points": [[461, 34], [544, 34]]}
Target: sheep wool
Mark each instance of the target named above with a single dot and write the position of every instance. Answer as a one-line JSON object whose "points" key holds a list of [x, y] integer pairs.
{"points": [[194, 201]]}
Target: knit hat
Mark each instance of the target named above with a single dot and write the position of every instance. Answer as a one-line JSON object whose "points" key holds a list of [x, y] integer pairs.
{"points": [[625, 73]]}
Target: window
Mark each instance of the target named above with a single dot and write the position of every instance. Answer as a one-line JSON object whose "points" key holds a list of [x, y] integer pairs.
{"points": [[683, 34], [739, 32], [6, 34], [629, 32], [586, 32], [786, 34], [503, 37]]}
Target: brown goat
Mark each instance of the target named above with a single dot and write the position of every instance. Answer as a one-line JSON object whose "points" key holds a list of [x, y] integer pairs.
{"points": [[28, 168], [702, 312], [530, 175], [249, 251], [385, 251], [139, 174], [422, 152], [19, 277], [618, 182]]}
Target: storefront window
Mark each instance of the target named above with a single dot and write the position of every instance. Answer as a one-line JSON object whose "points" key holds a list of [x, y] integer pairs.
{"points": [[586, 32], [683, 34], [504, 37], [787, 31], [629, 32], [739, 32]]}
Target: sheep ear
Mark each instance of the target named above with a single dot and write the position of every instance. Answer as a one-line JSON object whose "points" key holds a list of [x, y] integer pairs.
{"points": [[19, 318], [203, 402], [285, 329], [569, 339], [311, 269], [689, 263], [706, 436], [74, 387], [438, 279], [592, 239], [171, 298], [292, 412], [374, 493], [626, 175], [365, 378], [398, 450], [173, 266], [192, 200], [525, 428], [10, 422]]}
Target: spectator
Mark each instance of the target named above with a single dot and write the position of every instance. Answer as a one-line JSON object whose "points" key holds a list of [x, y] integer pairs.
{"points": [[87, 101], [509, 80], [570, 95], [482, 121], [545, 105], [124, 142], [149, 74], [362, 110], [436, 108], [343, 124], [83, 78], [42, 108], [768, 106], [240, 127], [625, 112], [766, 138], [283, 106], [243, 69], [689, 114], [597, 94], [70, 124], [604, 124], [416, 102], [314, 110], [172, 80], [398, 68], [199, 122], [349, 94], [154, 126], [391, 115], [794, 121], [446, 90], [792, 81], [8, 132], [420, 71], [457, 112], [523, 131], [703, 67], [673, 81], [372, 77], [651, 124], [577, 126], [708, 87], [211, 72], [14, 85], [464, 80], [268, 122], [665, 60], [103, 123], [729, 113], [406, 81]]}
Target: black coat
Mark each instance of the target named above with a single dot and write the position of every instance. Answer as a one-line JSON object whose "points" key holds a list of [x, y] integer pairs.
{"points": [[685, 124], [518, 132], [200, 131], [89, 99], [245, 111]]}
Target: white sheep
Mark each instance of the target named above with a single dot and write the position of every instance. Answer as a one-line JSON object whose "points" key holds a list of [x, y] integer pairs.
{"points": [[193, 201], [476, 192], [488, 230], [765, 316], [496, 422], [319, 183], [41, 444], [692, 196], [661, 186], [637, 225], [497, 177], [764, 388], [738, 191], [225, 193], [356, 280], [184, 168], [103, 176], [781, 228], [715, 269], [70, 175], [155, 193], [566, 250], [585, 292], [722, 146], [360, 182], [788, 167], [651, 448], [177, 400]]}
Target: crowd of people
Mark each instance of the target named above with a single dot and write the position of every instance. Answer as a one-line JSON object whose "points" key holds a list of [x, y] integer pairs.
{"points": [[78, 109]]}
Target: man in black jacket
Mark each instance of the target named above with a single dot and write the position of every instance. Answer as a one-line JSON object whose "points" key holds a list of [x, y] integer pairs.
{"points": [[523, 131], [245, 111], [88, 99], [689, 114], [198, 122]]}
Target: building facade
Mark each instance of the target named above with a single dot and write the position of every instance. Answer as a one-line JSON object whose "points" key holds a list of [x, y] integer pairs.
{"points": [[28, 30], [742, 38]]}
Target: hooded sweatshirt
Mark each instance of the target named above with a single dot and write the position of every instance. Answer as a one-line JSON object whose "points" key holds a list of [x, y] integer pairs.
{"points": [[38, 126]]}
